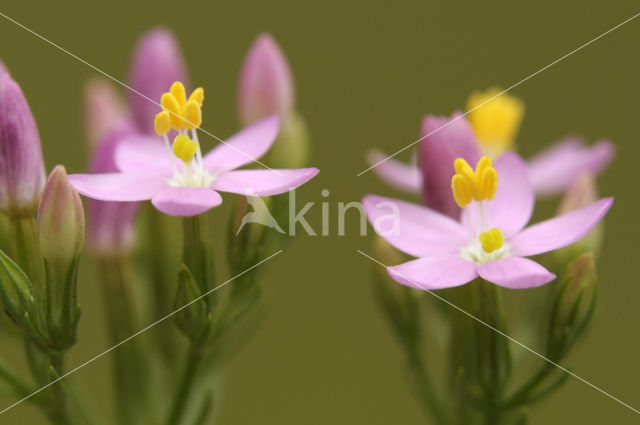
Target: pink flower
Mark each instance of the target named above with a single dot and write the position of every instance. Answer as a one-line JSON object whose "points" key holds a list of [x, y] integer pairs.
{"points": [[149, 172], [490, 239], [551, 172]]}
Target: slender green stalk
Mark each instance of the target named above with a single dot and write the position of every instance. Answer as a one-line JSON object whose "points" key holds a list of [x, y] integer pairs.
{"points": [[57, 409], [130, 364], [198, 252], [185, 388]]}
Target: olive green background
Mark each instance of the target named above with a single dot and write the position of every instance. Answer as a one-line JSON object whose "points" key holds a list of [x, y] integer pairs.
{"points": [[366, 73]]}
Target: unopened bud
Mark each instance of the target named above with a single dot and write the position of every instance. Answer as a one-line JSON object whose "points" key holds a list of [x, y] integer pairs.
{"points": [[581, 193], [16, 291], [291, 147], [60, 218], [266, 85], [157, 63], [21, 166], [574, 305]]}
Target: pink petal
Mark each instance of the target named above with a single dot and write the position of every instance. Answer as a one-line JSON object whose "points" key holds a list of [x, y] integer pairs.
{"points": [[513, 204], [559, 231], [434, 272], [555, 169], [117, 186], [263, 182], [186, 201], [421, 232], [246, 146], [515, 273], [143, 154], [446, 139], [397, 174]]}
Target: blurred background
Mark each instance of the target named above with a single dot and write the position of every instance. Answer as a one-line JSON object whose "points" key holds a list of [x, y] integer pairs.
{"points": [[366, 73]]}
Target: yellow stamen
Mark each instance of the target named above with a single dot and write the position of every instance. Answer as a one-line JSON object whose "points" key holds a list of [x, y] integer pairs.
{"points": [[162, 123], [478, 185], [491, 240], [192, 113], [197, 95], [496, 122], [178, 91], [171, 104], [184, 148]]}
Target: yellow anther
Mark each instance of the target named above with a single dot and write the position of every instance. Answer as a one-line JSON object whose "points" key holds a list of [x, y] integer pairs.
{"points": [[178, 91], [461, 191], [495, 118], [184, 148], [491, 240], [192, 113], [197, 95], [478, 185], [171, 104], [489, 183], [162, 123]]}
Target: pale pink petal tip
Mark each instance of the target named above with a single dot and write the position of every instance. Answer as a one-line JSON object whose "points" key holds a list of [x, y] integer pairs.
{"points": [[263, 182], [186, 201], [434, 272], [405, 177], [515, 273]]}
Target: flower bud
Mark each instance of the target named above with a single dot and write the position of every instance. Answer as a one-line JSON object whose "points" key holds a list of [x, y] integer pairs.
{"points": [[157, 63], [21, 166], [291, 148], [191, 316], [581, 193], [110, 224], [574, 305], [266, 85], [3, 68], [103, 108], [60, 218]]}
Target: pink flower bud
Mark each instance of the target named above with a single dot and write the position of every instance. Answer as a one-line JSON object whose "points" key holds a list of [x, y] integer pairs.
{"points": [[110, 224], [266, 83], [103, 107], [60, 218], [157, 63], [21, 166]]}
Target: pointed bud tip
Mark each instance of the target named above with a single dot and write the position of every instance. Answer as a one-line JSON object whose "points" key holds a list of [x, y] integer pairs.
{"points": [[61, 222], [266, 84]]}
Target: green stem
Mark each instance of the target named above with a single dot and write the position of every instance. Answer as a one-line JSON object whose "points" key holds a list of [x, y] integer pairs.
{"points": [[185, 388], [130, 364], [23, 231], [198, 252], [58, 412]]}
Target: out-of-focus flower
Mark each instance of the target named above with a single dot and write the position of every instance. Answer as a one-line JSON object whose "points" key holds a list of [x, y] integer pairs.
{"points": [[494, 125], [60, 218], [266, 88], [495, 119], [110, 224], [3, 68], [103, 108], [157, 62], [21, 167], [489, 240], [189, 186], [266, 84]]}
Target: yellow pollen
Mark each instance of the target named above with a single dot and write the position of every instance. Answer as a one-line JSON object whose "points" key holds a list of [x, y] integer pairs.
{"points": [[184, 148], [496, 122], [185, 114], [468, 185], [491, 240], [162, 123]]}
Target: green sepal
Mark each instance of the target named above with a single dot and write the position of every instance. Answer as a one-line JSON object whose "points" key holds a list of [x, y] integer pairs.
{"points": [[60, 306], [192, 316], [16, 291]]}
